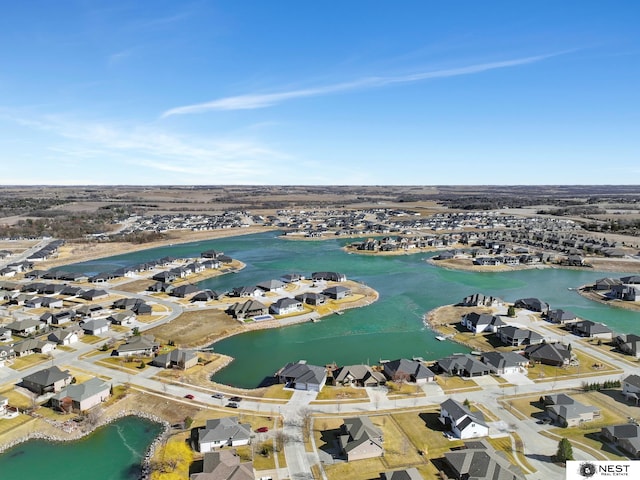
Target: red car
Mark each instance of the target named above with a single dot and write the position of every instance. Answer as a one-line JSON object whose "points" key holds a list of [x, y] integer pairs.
{"points": [[189, 396], [262, 430]]}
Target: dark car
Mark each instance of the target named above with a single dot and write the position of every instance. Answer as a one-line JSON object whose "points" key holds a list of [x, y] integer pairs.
{"points": [[262, 430], [189, 396], [235, 399], [232, 405], [217, 395]]}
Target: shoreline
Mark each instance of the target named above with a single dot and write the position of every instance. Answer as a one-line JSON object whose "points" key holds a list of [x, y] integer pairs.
{"points": [[584, 292]]}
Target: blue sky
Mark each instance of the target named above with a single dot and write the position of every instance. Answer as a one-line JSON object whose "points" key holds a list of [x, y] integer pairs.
{"points": [[368, 92]]}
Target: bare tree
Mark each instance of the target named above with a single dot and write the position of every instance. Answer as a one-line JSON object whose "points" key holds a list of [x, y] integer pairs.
{"points": [[305, 420]]}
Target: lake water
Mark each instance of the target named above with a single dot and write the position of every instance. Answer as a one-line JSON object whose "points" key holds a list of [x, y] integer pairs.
{"points": [[113, 452], [390, 328]]}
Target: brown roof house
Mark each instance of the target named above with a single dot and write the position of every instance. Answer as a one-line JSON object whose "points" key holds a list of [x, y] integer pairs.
{"points": [[360, 439], [46, 381]]}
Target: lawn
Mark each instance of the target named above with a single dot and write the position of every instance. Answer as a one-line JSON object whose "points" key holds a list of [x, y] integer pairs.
{"points": [[503, 444], [126, 364], [90, 339], [399, 390], [455, 384], [342, 393], [587, 366], [22, 363]]}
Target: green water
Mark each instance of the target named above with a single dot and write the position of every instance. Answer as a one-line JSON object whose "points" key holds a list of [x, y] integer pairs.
{"points": [[113, 452], [390, 328]]}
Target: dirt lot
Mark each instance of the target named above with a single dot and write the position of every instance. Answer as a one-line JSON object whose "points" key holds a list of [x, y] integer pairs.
{"points": [[197, 328]]}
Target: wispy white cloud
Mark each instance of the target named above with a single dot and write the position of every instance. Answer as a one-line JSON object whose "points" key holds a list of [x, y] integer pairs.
{"points": [[254, 101]]}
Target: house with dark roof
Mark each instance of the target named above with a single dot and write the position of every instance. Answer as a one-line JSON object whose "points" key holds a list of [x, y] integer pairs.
{"points": [[406, 474], [479, 461], [628, 293], [461, 422], [337, 292], [224, 465], [504, 363], [516, 336], [359, 375], [589, 329], [285, 306], [626, 437], [206, 295], [329, 276], [360, 439], [223, 432], [302, 376], [246, 291], [566, 411], [554, 354], [533, 304], [629, 344], [481, 322], [250, 308], [631, 388], [184, 290], [480, 300], [561, 316], [122, 318], [312, 298], [47, 380], [143, 345], [406, 370], [462, 365]]}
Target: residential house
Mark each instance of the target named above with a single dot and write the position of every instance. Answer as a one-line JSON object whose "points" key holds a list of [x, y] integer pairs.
{"points": [[250, 308], [94, 294], [360, 439], [631, 388], [329, 276], [65, 336], [6, 353], [24, 328], [406, 474], [271, 286], [479, 461], [606, 283], [97, 326], [47, 380], [223, 432], [184, 290], [515, 336], [286, 305], [181, 359], [406, 370], [311, 298], [250, 291], [5, 335], [568, 412], [462, 365], [122, 318], [224, 465], [554, 354], [302, 376], [206, 295], [89, 311], [505, 363], [587, 328], [80, 397], [533, 304], [629, 293], [480, 300], [292, 277], [461, 422], [32, 345], [137, 345], [359, 375], [481, 322], [629, 344], [626, 437], [561, 316], [337, 292]]}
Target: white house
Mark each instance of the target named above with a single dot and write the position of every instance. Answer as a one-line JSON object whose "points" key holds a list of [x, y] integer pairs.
{"points": [[461, 422], [222, 432], [285, 306]]}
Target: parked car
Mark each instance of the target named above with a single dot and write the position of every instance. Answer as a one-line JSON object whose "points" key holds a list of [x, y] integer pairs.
{"points": [[235, 399], [232, 405], [262, 429], [218, 395], [189, 396]]}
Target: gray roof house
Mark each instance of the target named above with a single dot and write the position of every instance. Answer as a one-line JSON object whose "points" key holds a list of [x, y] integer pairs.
{"points": [[587, 328], [222, 432], [271, 285], [502, 363], [515, 336], [408, 370], [629, 344], [360, 439], [481, 322], [480, 300], [311, 298], [406, 474], [337, 293], [561, 316], [96, 326], [360, 375], [182, 359], [286, 305], [463, 366], [533, 304], [461, 422], [47, 380], [479, 462], [626, 437], [631, 388], [82, 396], [225, 465], [554, 354], [302, 376], [137, 345], [568, 412], [250, 308]]}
